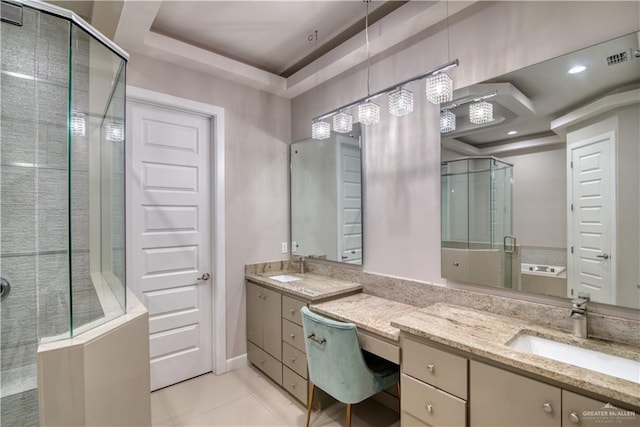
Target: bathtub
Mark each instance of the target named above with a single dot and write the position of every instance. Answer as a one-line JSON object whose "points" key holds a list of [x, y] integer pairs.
{"points": [[544, 270], [544, 279]]}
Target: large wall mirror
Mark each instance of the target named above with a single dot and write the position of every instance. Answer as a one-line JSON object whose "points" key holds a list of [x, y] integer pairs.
{"points": [[326, 198], [542, 194]]}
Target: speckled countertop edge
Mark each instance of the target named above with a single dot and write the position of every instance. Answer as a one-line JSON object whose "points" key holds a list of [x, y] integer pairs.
{"points": [[368, 312], [485, 335], [311, 287]]}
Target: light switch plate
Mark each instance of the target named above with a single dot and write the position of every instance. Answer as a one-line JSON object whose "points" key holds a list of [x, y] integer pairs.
{"points": [[284, 248]]}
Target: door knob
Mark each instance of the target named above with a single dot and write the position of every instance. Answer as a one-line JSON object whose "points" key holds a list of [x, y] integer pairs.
{"points": [[605, 256], [205, 276]]}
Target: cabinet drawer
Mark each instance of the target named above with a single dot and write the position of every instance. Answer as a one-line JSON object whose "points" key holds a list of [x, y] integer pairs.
{"points": [[294, 359], [576, 412], [408, 420], [433, 406], [518, 398], [292, 334], [381, 348], [446, 371], [291, 309], [294, 384], [263, 361]]}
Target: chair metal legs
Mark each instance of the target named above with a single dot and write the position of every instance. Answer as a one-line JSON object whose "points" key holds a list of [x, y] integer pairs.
{"points": [[311, 389], [348, 414]]}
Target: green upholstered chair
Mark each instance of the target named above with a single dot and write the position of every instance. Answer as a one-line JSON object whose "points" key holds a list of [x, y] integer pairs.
{"points": [[338, 365]]}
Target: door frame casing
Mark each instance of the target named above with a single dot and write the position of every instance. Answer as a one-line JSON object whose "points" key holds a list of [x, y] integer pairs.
{"points": [[609, 136], [216, 118]]}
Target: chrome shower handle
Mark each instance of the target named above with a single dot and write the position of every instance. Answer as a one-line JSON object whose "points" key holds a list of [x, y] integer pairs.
{"points": [[5, 287]]}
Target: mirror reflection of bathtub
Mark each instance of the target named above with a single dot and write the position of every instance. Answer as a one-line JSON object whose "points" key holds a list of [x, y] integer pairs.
{"points": [[544, 279]]}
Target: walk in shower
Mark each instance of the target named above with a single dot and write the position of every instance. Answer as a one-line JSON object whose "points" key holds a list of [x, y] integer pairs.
{"points": [[62, 259], [478, 245]]}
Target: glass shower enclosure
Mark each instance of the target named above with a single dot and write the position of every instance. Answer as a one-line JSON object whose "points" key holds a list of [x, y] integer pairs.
{"points": [[62, 260], [478, 245]]}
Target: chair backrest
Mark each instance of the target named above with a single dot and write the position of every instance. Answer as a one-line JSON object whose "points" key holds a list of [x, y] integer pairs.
{"points": [[334, 358]]}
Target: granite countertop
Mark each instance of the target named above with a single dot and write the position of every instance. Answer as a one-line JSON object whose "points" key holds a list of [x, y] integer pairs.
{"points": [[486, 335], [311, 287], [369, 313]]}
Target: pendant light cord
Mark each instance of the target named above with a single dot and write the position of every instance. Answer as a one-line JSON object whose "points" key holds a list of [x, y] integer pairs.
{"points": [[366, 35]]}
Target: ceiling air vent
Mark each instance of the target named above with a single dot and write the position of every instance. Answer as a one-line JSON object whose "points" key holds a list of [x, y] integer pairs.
{"points": [[618, 58]]}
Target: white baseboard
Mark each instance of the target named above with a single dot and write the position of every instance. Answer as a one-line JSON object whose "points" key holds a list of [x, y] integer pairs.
{"points": [[237, 362]]}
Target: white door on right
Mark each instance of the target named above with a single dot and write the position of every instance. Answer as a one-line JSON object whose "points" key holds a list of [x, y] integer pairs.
{"points": [[591, 263]]}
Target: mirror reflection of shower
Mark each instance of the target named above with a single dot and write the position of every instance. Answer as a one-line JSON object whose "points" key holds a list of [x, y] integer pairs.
{"points": [[478, 245]]}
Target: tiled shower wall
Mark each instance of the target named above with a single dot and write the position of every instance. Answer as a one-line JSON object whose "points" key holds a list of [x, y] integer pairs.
{"points": [[34, 224]]}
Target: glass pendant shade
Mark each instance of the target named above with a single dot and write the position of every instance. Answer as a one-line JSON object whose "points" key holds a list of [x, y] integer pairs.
{"points": [[481, 112], [400, 102], [320, 130], [369, 113], [447, 121], [78, 124], [439, 88], [114, 131], [343, 122]]}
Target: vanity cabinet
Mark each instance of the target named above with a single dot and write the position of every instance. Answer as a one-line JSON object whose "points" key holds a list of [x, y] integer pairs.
{"points": [[275, 341], [433, 386], [502, 398], [264, 333], [582, 411]]}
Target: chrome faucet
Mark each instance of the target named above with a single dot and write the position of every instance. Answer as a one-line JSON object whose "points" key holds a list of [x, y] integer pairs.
{"points": [[579, 316], [302, 266]]}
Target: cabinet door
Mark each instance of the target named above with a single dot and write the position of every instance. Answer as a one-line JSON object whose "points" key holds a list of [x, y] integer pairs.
{"points": [[583, 411], [501, 398], [272, 323], [254, 314]]}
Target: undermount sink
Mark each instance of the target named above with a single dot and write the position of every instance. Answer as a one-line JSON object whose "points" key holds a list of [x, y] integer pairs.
{"points": [[615, 366], [285, 278]]}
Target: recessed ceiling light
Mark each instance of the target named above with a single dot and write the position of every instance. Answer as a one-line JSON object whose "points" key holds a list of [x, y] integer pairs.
{"points": [[577, 69], [512, 132]]}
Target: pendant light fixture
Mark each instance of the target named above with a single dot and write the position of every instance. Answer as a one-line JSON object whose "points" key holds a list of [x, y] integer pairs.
{"points": [[114, 131], [439, 89], [481, 112], [320, 130], [78, 124], [447, 121], [400, 102], [343, 122], [369, 111]]}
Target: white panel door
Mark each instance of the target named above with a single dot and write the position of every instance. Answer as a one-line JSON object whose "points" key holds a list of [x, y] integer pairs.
{"points": [[591, 265], [171, 238], [350, 203]]}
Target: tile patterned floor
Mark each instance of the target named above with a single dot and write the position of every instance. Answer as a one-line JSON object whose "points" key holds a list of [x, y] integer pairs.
{"points": [[244, 397]]}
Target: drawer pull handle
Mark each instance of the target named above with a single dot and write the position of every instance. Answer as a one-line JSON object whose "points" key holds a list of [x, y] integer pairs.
{"points": [[574, 418], [430, 367], [293, 336], [429, 408], [293, 385], [261, 362], [293, 360], [547, 407], [313, 338], [293, 311]]}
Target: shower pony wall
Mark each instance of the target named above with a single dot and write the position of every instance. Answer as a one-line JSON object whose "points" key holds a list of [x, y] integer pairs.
{"points": [[61, 190]]}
